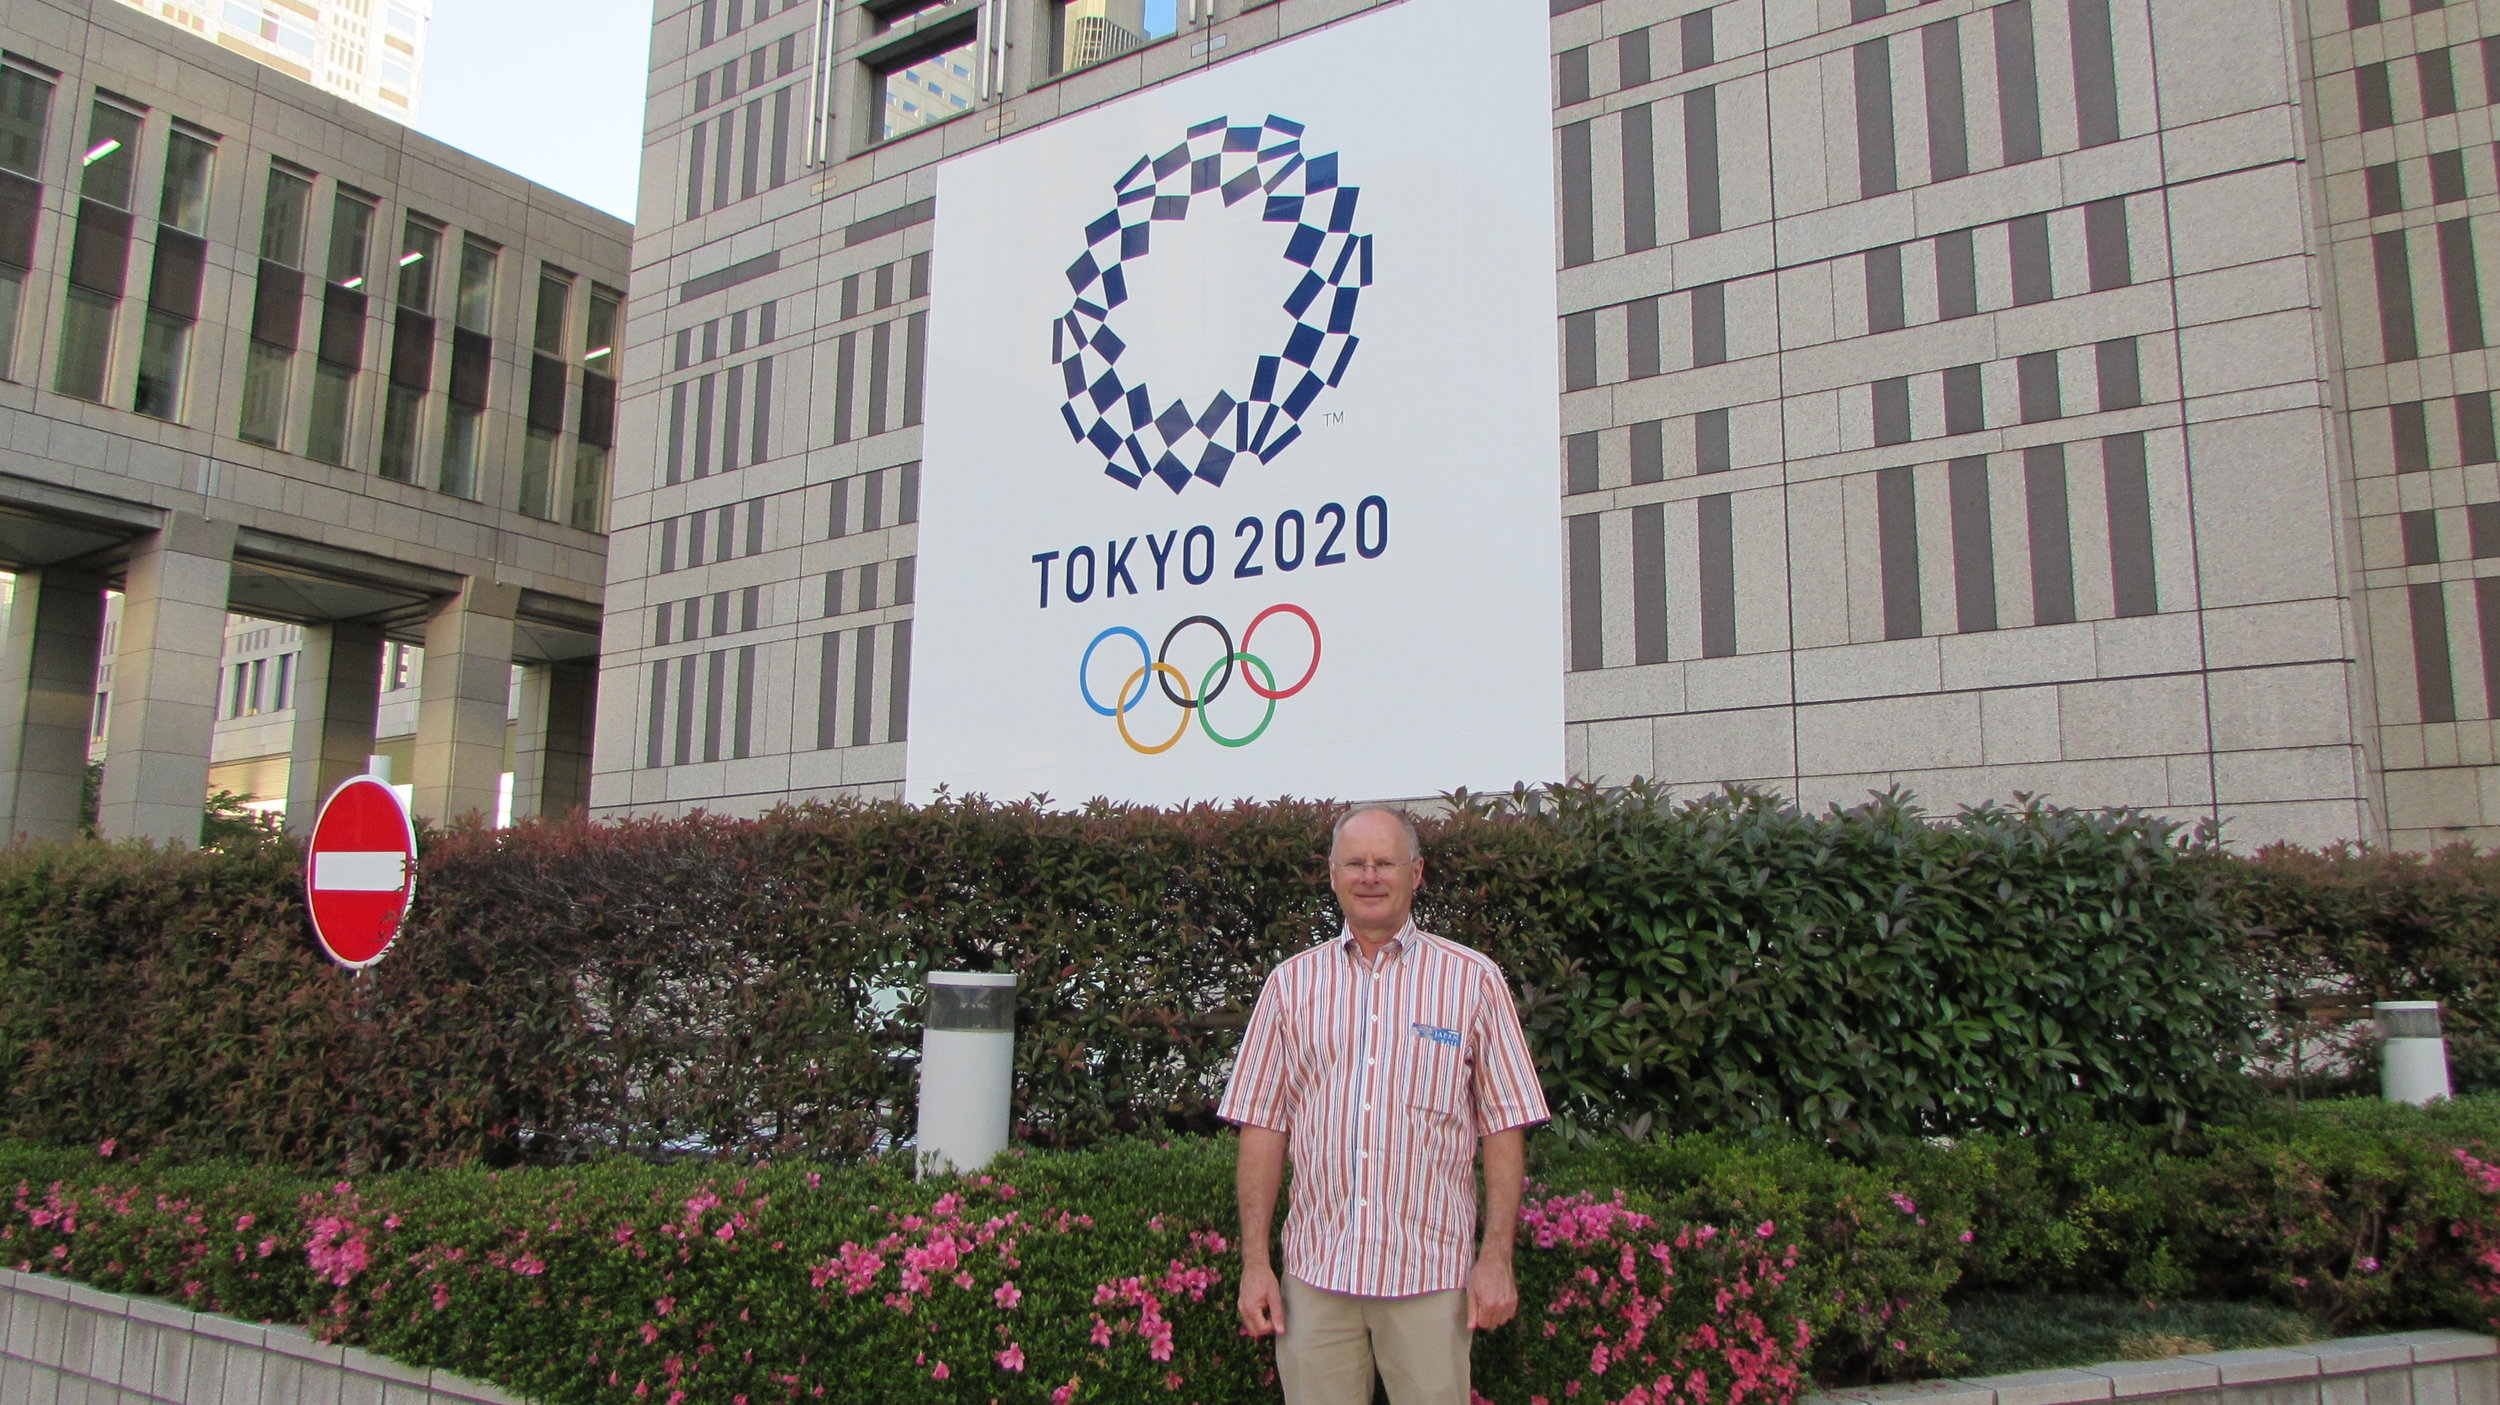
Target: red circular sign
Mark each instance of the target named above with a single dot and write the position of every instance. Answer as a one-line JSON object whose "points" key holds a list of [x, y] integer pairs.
{"points": [[360, 872]]}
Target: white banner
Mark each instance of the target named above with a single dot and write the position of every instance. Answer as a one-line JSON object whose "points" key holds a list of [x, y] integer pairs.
{"points": [[1240, 475]]}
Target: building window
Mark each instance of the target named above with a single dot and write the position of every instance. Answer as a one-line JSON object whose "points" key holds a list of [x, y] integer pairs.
{"points": [[99, 251], [181, 265], [472, 357], [340, 353], [111, 161], [277, 305], [595, 433], [189, 160], [25, 111], [412, 349], [163, 341], [544, 425], [931, 83], [1084, 32]]}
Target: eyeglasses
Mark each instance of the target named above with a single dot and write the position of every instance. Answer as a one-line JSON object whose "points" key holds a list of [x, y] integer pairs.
{"points": [[1372, 868]]}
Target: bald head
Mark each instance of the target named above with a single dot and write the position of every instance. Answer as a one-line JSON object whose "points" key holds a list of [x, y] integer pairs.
{"points": [[1375, 820]]}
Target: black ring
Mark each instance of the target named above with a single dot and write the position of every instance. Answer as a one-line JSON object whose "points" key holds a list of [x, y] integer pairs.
{"points": [[1161, 656]]}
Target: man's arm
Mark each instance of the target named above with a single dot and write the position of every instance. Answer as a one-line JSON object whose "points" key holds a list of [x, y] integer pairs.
{"points": [[1492, 1292], [1258, 1173]]}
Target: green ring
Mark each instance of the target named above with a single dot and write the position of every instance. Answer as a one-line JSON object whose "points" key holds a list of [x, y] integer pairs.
{"points": [[1208, 727]]}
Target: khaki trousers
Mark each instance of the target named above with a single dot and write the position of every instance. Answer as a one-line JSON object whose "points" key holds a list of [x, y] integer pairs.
{"points": [[1334, 1341]]}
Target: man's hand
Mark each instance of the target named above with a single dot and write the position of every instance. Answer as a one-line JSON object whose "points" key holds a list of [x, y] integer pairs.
{"points": [[1262, 1302], [1492, 1295]]}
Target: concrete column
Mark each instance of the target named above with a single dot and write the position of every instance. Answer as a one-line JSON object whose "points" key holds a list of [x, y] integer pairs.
{"points": [[551, 746], [464, 702], [164, 708], [338, 692], [47, 700]]}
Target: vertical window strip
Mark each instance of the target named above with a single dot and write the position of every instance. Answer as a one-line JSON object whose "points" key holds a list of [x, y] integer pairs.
{"points": [[656, 738], [1896, 543], [2392, 260], [2096, 71], [1579, 197], [1878, 174], [2051, 535], [863, 685], [1948, 131], [2434, 679], [898, 681], [2460, 288], [1703, 213], [1974, 546], [1649, 583], [2018, 83], [1588, 639], [828, 690], [1640, 179], [1717, 550], [2487, 625], [2127, 489]]}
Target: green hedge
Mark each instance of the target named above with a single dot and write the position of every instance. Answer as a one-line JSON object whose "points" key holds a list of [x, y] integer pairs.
{"points": [[1109, 1272], [747, 987]]}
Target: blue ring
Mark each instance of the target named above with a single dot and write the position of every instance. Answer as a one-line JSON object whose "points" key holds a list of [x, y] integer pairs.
{"points": [[1144, 654]]}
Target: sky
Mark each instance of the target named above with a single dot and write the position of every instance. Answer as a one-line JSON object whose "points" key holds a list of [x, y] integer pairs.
{"points": [[548, 89]]}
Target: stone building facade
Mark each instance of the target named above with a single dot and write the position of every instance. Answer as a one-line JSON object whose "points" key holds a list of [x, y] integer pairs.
{"points": [[267, 353], [2086, 398]]}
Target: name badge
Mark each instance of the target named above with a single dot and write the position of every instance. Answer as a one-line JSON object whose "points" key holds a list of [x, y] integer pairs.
{"points": [[1437, 1034]]}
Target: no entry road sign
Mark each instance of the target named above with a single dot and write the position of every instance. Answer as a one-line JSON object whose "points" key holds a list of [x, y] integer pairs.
{"points": [[360, 872]]}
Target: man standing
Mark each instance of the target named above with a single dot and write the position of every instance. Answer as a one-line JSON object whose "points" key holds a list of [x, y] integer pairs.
{"points": [[1384, 1056]]}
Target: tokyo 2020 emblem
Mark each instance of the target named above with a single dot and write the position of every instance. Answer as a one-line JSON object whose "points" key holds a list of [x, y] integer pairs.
{"points": [[1113, 407]]}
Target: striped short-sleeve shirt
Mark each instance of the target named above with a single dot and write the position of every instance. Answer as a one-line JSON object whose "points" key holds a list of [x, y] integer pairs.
{"points": [[1384, 1076]]}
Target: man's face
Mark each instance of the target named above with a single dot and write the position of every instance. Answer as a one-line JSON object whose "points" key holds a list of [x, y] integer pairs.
{"points": [[1374, 873]]}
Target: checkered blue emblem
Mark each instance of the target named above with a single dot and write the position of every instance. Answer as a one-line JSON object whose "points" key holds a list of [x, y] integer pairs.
{"points": [[1113, 407]]}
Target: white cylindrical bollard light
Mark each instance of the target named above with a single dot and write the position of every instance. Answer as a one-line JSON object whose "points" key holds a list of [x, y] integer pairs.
{"points": [[967, 1069], [2414, 1068]]}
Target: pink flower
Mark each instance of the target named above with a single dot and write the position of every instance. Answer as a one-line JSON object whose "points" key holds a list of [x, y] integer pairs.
{"points": [[442, 1297], [814, 1180], [665, 1306], [1904, 1203], [1765, 1230], [1171, 1380], [1967, 1236], [2369, 1265], [650, 1333], [106, 1150], [1065, 1393], [1012, 1358], [940, 1372], [242, 1223], [1008, 1295]]}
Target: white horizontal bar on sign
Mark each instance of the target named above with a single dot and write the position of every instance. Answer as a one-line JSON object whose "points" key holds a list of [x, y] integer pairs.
{"points": [[350, 871]]}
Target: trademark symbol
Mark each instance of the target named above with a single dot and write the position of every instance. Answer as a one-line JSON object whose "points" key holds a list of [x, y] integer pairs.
{"points": [[1336, 417]]}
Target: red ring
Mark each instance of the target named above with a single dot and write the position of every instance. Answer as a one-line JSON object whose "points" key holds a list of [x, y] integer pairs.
{"points": [[1298, 684]]}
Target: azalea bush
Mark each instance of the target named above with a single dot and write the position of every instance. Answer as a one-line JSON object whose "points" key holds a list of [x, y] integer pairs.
{"points": [[1105, 1276], [1703, 1270]]}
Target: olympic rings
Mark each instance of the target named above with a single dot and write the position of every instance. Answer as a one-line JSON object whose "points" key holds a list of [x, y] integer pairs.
{"points": [[1174, 684], [1086, 662], [1207, 694], [1225, 663], [1121, 717], [1299, 683]]}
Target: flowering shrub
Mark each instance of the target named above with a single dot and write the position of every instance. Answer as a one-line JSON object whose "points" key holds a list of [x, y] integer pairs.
{"points": [[1616, 1308], [1698, 1270]]}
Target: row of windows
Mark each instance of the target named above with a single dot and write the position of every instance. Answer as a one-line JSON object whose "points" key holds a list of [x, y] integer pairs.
{"points": [[2036, 487], [2435, 91], [96, 286]]}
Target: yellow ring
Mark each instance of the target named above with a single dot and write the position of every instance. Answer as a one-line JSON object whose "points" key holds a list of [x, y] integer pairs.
{"points": [[1121, 716]]}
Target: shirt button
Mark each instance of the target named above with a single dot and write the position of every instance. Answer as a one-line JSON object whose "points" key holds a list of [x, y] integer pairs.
{"points": [[1362, 1202], [1367, 1107]]}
